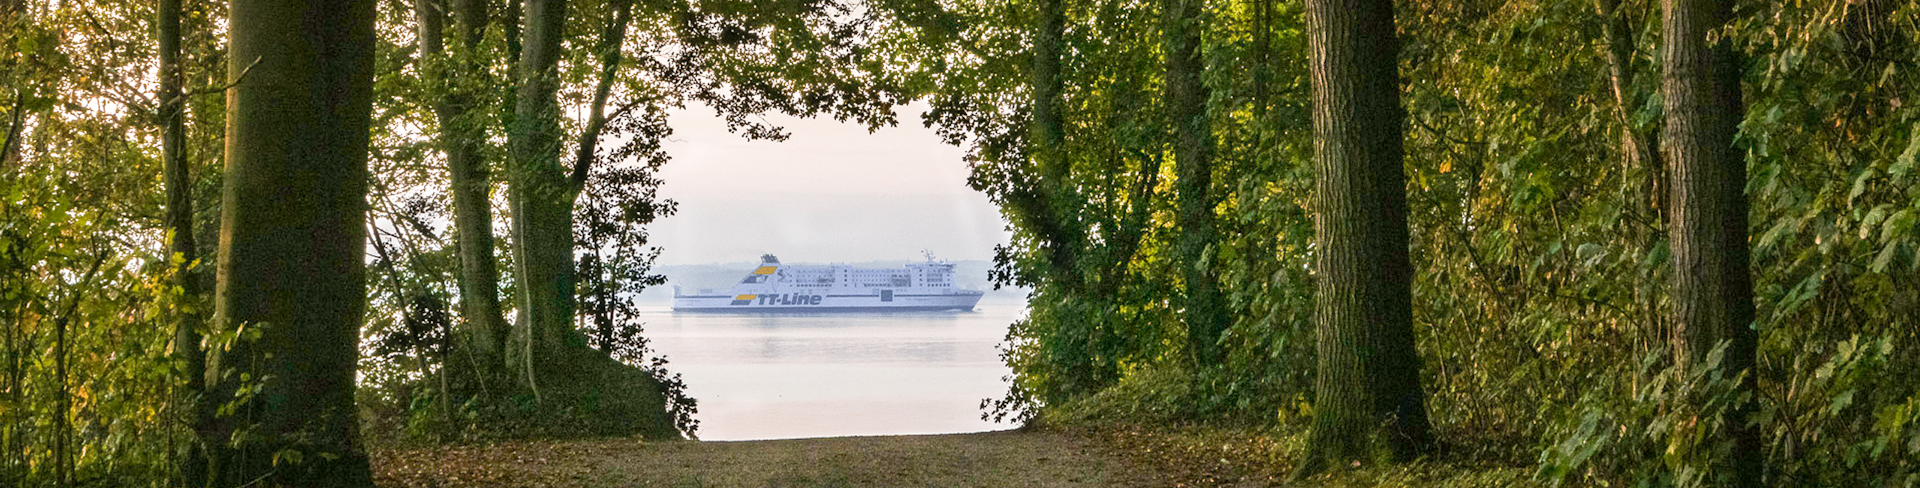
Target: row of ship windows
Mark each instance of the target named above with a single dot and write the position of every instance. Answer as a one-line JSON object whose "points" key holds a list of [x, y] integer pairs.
{"points": [[863, 285], [896, 280]]}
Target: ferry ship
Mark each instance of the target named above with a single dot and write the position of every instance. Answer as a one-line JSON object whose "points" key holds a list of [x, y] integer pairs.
{"points": [[774, 287]]}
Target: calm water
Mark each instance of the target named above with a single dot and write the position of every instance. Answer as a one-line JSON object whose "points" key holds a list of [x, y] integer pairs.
{"points": [[793, 375]]}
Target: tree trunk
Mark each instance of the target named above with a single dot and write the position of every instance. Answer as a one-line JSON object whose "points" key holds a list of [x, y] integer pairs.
{"points": [[1712, 290], [540, 196], [1368, 402], [11, 22], [1262, 54], [510, 26], [586, 152], [16, 121], [1047, 132], [542, 191], [1640, 147], [1639, 150], [603, 297], [179, 184], [1187, 95], [1045, 198], [1126, 237], [293, 239], [462, 137], [63, 417]]}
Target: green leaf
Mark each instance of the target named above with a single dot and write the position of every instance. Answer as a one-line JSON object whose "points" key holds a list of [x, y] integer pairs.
{"points": [[1859, 184], [1841, 401], [1886, 258], [1783, 228], [1873, 217], [1590, 253], [1903, 165], [36, 104], [1896, 224], [1657, 255]]}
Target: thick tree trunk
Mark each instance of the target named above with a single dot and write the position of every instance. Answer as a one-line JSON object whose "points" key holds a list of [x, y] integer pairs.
{"points": [[293, 238], [462, 136], [1187, 95], [1712, 290], [180, 243], [1368, 399], [541, 197], [1047, 199]]}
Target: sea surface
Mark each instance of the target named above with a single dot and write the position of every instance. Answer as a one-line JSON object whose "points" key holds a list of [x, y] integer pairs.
{"points": [[782, 376]]}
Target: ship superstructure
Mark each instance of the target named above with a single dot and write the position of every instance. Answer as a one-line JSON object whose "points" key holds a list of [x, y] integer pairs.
{"points": [[775, 287]]}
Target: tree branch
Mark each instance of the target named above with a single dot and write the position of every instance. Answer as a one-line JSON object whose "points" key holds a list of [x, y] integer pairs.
{"points": [[236, 81], [610, 43], [583, 160]]}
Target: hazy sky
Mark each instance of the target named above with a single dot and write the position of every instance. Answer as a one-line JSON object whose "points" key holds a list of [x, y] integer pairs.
{"points": [[831, 192]]}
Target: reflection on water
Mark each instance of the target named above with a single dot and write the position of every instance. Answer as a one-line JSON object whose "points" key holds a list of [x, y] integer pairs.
{"points": [[814, 375]]}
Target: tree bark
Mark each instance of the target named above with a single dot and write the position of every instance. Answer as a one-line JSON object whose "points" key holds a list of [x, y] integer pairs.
{"points": [[293, 239], [1205, 309], [540, 196], [462, 137], [180, 244], [1368, 402], [1712, 288]]}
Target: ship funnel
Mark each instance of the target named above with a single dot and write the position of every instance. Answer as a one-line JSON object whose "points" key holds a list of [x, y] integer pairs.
{"points": [[769, 259]]}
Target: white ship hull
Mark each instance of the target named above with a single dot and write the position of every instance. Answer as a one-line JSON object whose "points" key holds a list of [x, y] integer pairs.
{"points": [[778, 288]]}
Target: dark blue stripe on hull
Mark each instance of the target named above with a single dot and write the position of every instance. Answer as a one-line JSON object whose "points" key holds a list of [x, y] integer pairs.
{"points": [[821, 309]]}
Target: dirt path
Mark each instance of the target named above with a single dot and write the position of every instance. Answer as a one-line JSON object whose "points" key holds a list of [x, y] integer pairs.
{"points": [[994, 459]]}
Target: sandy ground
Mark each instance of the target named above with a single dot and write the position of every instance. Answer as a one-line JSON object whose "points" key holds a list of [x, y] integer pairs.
{"points": [[994, 459]]}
